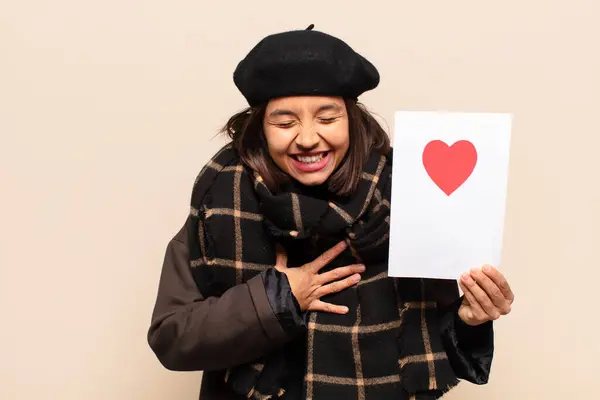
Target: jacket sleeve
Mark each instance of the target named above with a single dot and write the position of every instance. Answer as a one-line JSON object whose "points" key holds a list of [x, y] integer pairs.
{"points": [[189, 332], [470, 349], [282, 301]]}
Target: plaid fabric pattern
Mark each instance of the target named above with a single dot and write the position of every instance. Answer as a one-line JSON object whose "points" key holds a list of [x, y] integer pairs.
{"points": [[387, 347]]}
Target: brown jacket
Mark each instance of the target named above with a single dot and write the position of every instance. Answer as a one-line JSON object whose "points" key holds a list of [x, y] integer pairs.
{"points": [[191, 333], [179, 333]]}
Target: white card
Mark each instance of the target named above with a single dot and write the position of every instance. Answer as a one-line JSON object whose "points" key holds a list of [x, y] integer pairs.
{"points": [[449, 182]]}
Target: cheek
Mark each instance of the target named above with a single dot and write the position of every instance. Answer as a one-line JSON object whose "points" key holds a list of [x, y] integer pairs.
{"points": [[271, 138], [277, 145], [339, 137]]}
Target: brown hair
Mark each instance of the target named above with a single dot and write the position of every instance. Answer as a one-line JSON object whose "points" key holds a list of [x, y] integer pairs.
{"points": [[245, 128]]}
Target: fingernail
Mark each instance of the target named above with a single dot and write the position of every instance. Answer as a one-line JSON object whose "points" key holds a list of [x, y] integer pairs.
{"points": [[356, 278], [466, 278], [345, 310], [362, 268], [487, 268]]}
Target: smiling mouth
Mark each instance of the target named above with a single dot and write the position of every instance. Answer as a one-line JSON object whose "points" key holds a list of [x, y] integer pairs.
{"points": [[310, 159]]}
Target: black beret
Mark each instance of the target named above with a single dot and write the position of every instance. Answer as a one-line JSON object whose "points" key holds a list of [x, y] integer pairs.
{"points": [[303, 62]]}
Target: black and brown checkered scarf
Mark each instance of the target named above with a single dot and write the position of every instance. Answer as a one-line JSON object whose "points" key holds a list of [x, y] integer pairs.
{"points": [[387, 347]]}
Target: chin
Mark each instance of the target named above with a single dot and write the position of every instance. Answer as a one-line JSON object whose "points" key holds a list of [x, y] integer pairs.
{"points": [[311, 182], [314, 180]]}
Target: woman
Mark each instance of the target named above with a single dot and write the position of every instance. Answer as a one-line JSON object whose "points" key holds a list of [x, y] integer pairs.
{"points": [[276, 285]]}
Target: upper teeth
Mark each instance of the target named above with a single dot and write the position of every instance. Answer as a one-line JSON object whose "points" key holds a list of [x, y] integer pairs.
{"points": [[311, 159]]}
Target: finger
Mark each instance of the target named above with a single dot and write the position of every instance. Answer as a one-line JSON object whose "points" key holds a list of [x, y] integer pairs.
{"points": [[500, 281], [481, 296], [280, 257], [339, 273], [337, 286], [477, 312], [492, 290], [327, 257], [319, 305]]}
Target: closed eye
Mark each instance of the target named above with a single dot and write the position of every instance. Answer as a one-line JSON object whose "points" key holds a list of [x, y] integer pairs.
{"points": [[284, 124], [328, 120]]}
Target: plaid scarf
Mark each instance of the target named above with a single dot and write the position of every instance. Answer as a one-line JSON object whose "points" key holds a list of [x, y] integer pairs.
{"points": [[387, 347]]}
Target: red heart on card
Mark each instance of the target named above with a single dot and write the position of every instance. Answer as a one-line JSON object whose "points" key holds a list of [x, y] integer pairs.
{"points": [[449, 166]]}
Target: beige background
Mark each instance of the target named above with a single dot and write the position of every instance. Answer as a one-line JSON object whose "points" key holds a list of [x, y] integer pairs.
{"points": [[107, 112]]}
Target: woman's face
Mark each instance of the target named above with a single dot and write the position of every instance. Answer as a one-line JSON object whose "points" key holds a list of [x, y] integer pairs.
{"points": [[307, 136]]}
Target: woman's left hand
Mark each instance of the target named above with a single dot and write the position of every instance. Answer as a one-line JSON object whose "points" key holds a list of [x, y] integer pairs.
{"points": [[487, 296]]}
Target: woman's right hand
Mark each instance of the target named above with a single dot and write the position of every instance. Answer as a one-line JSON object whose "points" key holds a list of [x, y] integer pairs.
{"points": [[308, 286]]}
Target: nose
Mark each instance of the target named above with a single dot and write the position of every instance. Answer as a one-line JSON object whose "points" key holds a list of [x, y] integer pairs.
{"points": [[307, 138]]}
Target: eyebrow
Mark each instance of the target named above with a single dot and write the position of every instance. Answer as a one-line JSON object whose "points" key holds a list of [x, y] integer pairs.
{"points": [[282, 112], [330, 106]]}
